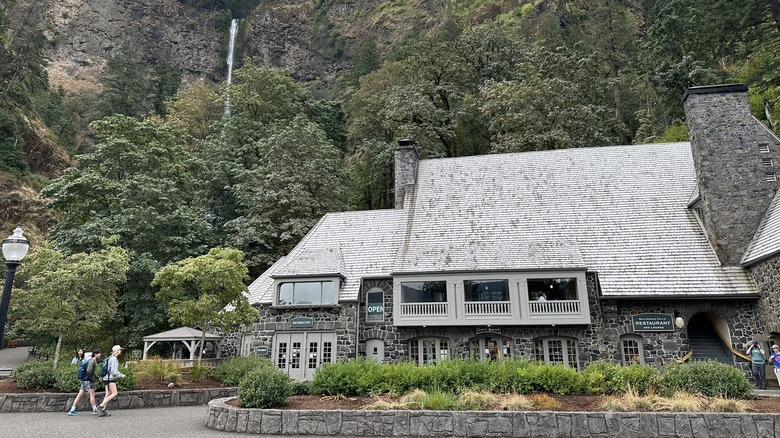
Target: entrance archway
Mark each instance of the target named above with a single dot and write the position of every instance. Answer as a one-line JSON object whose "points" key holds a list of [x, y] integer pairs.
{"points": [[706, 334]]}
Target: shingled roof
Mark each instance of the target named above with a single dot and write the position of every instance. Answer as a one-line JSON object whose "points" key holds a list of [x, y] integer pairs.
{"points": [[621, 211], [766, 241]]}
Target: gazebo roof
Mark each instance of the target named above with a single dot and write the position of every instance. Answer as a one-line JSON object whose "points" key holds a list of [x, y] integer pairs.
{"points": [[182, 334]]}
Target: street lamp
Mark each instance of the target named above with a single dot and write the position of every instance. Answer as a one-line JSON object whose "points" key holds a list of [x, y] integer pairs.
{"points": [[14, 249]]}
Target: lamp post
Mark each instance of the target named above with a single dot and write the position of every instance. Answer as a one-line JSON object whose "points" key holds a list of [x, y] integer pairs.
{"points": [[14, 249]]}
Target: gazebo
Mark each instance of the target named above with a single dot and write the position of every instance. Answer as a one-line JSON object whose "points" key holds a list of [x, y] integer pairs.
{"points": [[188, 336]]}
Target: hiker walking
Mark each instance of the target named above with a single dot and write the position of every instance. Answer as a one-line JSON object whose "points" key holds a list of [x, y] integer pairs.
{"points": [[86, 375], [110, 379]]}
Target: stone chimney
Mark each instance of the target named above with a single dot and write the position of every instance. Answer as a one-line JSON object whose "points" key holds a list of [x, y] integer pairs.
{"points": [[736, 160], [406, 160]]}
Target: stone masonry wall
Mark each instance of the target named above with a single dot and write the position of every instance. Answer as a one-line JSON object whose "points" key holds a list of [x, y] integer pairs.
{"points": [[222, 416], [56, 402], [766, 275]]}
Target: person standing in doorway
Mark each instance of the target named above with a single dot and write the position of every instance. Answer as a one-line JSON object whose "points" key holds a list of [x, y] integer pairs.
{"points": [[88, 384], [758, 364], [110, 379]]}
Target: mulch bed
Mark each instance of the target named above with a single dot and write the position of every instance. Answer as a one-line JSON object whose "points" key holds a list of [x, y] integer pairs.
{"points": [[570, 403]]}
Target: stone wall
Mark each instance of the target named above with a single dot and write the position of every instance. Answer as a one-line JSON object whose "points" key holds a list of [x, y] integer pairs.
{"points": [[766, 274], [224, 417], [55, 402]]}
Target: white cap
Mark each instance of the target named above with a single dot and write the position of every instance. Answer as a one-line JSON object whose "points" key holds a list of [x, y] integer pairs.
{"points": [[115, 348]]}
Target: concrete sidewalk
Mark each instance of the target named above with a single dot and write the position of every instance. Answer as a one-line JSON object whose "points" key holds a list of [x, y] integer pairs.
{"points": [[10, 358]]}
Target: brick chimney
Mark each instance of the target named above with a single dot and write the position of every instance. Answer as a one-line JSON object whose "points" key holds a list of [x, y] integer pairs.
{"points": [[736, 160], [406, 160]]}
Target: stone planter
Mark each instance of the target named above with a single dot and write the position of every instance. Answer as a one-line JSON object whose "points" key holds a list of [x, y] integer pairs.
{"points": [[224, 417], [56, 402]]}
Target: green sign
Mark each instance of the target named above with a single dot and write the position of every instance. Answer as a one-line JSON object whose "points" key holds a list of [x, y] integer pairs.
{"points": [[653, 322], [262, 351], [375, 306], [302, 322]]}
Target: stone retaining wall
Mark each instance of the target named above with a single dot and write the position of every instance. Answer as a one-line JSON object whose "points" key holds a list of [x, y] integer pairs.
{"points": [[224, 417], [56, 402]]}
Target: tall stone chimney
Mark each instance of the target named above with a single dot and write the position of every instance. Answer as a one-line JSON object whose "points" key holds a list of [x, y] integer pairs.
{"points": [[736, 160], [406, 160]]}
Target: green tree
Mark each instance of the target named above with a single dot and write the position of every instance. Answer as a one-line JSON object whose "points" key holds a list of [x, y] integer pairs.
{"points": [[140, 183], [68, 296], [206, 291], [197, 110]]}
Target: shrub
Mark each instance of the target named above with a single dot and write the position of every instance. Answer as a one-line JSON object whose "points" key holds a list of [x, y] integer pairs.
{"points": [[614, 404], [301, 388], [66, 378], [721, 404], [354, 377], [516, 402], [34, 375], [440, 401], [264, 387], [545, 402], [549, 378], [475, 400], [125, 384], [199, 373], [708, 378], [233, 370], [609, 378], [157, 369]]}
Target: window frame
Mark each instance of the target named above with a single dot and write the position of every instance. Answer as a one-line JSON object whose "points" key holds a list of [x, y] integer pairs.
{"points": [[639, 349], [375, 290], [279, 283], [417, 348], [506, 293], [534, 296], [568, 346]]}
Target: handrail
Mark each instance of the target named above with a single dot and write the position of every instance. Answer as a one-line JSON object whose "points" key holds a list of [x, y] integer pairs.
{"points": [[685, 358], [733, 350]]}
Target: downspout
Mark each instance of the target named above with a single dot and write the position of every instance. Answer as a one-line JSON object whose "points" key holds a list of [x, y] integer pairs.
{"points": [[357, 324]]}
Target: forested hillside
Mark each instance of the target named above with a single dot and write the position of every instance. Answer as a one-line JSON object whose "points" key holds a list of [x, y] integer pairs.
{"points": [[113, 118]]}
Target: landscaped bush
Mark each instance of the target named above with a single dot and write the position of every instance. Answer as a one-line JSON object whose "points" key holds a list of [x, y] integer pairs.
{"points": [[549, 378], [233, 370], [66, 378], [354, 377], [157, 369], [34, 375], [300, 388], [125, 384], [609, 378], [708, 378], [199, 373], [264, 387]]}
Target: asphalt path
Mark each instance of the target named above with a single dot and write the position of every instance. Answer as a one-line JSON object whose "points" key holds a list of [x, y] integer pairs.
{"points": [[143, 423]]}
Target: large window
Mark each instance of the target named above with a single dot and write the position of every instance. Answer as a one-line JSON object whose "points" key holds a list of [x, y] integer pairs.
{"points": [[486, 290], [424, 292], [544, 289], [428, 351], [556, 351], [310, 292], [480, 347]]}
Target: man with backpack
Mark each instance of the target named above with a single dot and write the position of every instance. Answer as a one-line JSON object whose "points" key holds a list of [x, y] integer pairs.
{"points": [[86, 375], [109, 373]]}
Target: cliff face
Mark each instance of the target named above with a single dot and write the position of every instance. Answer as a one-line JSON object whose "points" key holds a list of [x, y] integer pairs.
{"points": [[87, 32]]}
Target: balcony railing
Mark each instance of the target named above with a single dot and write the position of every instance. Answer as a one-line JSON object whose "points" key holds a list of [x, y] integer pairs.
{"points": [[423, 309], [554, 307], [488, 308]]}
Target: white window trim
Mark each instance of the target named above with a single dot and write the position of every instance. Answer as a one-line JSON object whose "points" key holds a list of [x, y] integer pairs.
{"points": [[278, 282]]}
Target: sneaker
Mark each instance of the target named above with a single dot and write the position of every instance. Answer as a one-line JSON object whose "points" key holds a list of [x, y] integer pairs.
{"points": [[72, 412], [95, 412], [101, 411]]}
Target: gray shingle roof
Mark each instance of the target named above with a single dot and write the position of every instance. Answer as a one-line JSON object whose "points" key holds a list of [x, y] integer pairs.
{"points": [[620, 210], [356, 245], [181, 334], [766, 241]]}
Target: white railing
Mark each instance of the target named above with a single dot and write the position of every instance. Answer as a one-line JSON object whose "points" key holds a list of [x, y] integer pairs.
{"points": [[423, 309], [554, 307], [488, 308]]}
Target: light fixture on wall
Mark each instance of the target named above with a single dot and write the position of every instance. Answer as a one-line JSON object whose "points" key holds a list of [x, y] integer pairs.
{"points": [[678, 321]]}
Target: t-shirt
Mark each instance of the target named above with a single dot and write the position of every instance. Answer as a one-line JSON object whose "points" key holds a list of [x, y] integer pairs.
{"points": [[775, 359], [756, 356]]}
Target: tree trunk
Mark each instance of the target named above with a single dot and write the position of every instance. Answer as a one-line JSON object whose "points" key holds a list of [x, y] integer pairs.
{"points": [[57, 351]]}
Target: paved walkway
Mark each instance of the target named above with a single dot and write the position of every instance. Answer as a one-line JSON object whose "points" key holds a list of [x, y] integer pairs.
{"points": [[147, 423], [10, 358]]}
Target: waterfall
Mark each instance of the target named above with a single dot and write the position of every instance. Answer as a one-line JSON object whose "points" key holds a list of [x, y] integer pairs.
{"points": [[231, 49]]}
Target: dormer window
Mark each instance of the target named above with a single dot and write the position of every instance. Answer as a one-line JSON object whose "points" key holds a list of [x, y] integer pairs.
{"points": [[307, 293], [698, 211], [767, 162], [763, 148]]}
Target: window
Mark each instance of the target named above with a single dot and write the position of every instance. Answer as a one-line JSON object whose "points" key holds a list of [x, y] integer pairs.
{"points": [[281, 360], [428, 351], [631, 348], [375, 305], [552, 289], [556, 351], [424, 292], [486, 290], [310, 292], [480, 347]]}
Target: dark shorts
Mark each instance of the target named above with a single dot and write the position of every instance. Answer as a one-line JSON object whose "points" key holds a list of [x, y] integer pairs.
{"points": [[86, 385]]}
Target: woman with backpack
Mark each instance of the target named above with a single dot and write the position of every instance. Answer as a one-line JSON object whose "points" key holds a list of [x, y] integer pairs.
{"points": [[86, 375], [109, 379], [79, 358]]}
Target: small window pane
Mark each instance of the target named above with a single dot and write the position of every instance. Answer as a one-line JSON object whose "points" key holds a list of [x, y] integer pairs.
{"points": [[486, 290], [308, 293], [424, 292], [286, 294], [632, 353], [552, 289], [555, 351], [329, 293]]}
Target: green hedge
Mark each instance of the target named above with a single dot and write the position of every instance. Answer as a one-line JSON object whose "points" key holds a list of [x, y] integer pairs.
{"points": [[66, 378], [264, 387], [31, 375], [233, 370], [709, 378]]}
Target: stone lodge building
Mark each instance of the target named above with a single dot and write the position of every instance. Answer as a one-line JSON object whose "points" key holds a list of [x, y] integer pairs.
{"points": [[649, 253]]}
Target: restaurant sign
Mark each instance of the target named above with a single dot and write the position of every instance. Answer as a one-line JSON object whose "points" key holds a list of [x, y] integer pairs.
{"points": [[652, 322]]}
